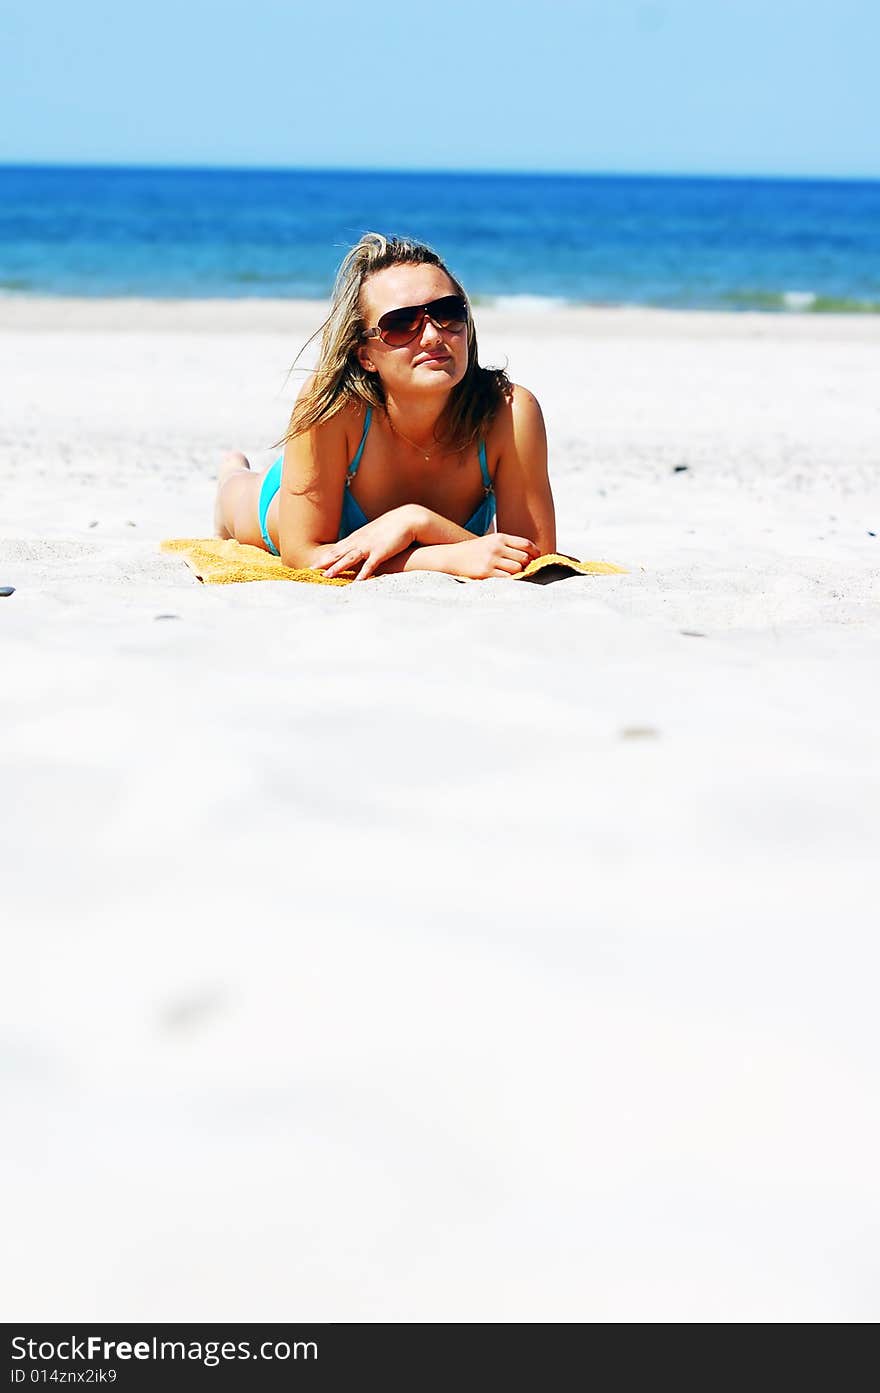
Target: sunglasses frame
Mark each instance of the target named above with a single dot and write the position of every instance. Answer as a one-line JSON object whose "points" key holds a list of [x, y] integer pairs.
{"points": [[424, 312]]}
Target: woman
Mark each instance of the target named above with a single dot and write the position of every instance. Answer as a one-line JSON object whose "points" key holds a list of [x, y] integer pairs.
{"points": [[399, 434]]}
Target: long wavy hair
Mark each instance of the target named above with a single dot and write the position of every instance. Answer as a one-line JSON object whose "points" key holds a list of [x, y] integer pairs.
{"points": [[339, 380]]}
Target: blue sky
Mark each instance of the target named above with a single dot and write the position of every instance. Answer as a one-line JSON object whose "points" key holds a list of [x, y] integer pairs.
{"points": [[655, 86]]}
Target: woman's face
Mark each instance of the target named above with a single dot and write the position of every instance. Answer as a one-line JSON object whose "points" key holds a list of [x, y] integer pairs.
{"points": [[436, 359]]}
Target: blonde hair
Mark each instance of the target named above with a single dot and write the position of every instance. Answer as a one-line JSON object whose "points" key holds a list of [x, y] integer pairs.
{"points": [[339, 379]]}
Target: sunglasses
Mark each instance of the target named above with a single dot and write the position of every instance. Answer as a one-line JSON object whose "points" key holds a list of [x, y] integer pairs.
{"points": [[399, 327]]}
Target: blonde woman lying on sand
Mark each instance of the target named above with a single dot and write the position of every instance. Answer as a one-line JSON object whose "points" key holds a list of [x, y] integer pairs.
{"points": [[398, 435]]}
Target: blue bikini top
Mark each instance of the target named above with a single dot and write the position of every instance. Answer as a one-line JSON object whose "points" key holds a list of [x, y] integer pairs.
{"points": [[353, 515]]}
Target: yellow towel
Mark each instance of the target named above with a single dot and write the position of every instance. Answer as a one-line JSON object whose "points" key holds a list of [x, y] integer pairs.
{"points": [[225, 562]]}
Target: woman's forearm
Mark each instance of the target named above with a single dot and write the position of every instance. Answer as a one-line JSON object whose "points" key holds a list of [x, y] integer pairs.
{"points": [[435, 537], [432, 529], [419, 527], [419, 558]]}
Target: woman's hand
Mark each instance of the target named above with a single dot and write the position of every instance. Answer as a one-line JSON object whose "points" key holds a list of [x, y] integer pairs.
{"points": [[369, 546], [496, 554]]}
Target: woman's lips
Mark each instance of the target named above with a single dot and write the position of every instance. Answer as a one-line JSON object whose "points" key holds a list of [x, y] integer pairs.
{"points": [[433, 358]]}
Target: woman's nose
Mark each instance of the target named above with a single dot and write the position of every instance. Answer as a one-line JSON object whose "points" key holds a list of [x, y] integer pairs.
{"points": [[430, 332]]}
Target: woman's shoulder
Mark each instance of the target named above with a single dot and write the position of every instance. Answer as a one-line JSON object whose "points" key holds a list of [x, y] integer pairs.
{"points": [[351, 422], [337, 432], [326, 448], [518, 410], [352, 416]]}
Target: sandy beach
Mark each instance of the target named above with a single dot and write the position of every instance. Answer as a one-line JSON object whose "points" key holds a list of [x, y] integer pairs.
{"points": [[426, 951]]}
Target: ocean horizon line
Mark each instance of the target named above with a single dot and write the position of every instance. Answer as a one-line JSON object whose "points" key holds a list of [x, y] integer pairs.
{"points": [[427, 171], [785, 302]]}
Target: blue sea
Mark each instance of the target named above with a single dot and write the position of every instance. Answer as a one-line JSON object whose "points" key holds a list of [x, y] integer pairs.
{"points": [[714, 243]]}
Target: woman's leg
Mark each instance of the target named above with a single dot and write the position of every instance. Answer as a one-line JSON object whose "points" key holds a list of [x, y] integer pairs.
{"points": [[236, 506]]}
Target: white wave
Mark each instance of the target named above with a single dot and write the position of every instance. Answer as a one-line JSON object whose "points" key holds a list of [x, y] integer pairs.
{"points": [[530, 304], [798, 299]]}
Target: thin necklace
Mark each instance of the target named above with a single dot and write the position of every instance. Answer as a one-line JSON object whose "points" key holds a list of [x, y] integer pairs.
{"points": [[420, 448]]}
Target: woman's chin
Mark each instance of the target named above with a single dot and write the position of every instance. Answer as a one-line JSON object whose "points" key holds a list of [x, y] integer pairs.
{"points": [[441, 374]]}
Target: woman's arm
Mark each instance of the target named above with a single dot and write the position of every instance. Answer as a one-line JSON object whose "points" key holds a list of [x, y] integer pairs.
{"points": [[522, 486], [431, 535], [478, 558], [312, 484], [407, 539]]}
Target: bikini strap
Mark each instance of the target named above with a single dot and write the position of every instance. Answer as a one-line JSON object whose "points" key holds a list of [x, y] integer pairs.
{"points": [[353, 467], [488, 486]]}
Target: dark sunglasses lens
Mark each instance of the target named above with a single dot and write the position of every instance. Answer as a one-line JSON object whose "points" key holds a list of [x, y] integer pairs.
{"points": [[399, 326], [449, 313]]}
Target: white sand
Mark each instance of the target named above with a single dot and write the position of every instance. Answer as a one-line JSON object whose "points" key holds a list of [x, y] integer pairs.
{"points": [[357, 963]]}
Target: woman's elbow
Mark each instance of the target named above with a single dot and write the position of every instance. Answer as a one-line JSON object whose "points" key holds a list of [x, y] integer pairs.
{"points": [[296, 555], [303, 556]]}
